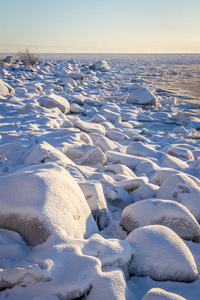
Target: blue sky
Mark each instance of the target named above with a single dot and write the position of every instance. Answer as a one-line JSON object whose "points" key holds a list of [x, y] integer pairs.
{"points": [[97, 26]]}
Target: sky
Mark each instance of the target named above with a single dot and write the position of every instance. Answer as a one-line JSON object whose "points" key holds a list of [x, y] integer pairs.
{"points": [[100, 26]]}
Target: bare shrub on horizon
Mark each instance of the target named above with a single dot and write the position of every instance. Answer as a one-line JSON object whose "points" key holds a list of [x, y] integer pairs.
{"points": [[27, 58]]}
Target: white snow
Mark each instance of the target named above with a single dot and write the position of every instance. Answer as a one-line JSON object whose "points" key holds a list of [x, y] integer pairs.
{"points": [[160, 294], [55, 101], [78, 160], [157, 247], [141, 96], [163, 212], [43, 200]]}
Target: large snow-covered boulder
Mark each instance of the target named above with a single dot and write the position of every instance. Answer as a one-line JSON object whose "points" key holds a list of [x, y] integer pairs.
{"points": [[160, 294], [181, 188], [44, 200], [161, 254], [55, 101], [142, 96], [5, 88], [163, 212]]}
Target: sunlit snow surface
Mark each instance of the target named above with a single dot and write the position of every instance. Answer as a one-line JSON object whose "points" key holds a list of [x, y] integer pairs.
{"points": [[74, 154]]}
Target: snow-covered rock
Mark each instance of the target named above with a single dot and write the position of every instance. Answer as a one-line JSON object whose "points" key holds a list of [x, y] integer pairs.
{"points": [[162, 174], [100, 65], [144, 191], [142, 96], [173, 162], [5, 89], [162, 212], [116, 135], [121, 158], [105, 144], [9, 58], [120, 169], [76, 76], [44, 200], [158, 252], [86, 155], [94, 195], [76, 109], [89, 127], [160, 294], [143, 150], [55, 101], [183, 189], [180, 152], [113, 117], [44, 152]]}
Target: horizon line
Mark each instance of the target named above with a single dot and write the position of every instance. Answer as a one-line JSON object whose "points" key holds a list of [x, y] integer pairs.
{"points": [[105, 52]]}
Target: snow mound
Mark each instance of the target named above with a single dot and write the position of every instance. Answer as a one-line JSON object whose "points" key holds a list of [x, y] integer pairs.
{"points": [[181, 188], [100, 65], [44, 152], [105, 144], [116, 135], [89, 128], [113, 117], [132, 184], [161, 254], [180, 152], [120, 169], [142, 96], [162, 212], [85, 155], [42, 200], [140, 149], [144, 191], [173, 162], [55, 101], [76, 76], [160, 294], [5, 89], [94, 195], [111, 252], [161, 175], [76, 109], [125, 159]]}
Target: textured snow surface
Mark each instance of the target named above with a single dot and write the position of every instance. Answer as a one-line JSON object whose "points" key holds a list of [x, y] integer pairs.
{"points": [[157, 247], [164, 212], [160, 294], [99, 178]]}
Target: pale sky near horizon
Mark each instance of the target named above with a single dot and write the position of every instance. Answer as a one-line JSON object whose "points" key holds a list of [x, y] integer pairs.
{"points": [[100, 26]]}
